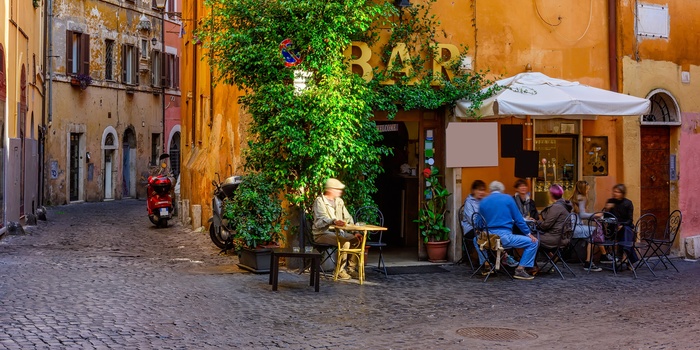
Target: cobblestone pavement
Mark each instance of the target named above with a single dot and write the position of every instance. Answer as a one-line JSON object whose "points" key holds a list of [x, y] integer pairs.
{"points": [[99, 275]]}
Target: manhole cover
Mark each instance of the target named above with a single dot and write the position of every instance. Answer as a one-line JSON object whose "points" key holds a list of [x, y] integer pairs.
{"points": [[496, 334]]}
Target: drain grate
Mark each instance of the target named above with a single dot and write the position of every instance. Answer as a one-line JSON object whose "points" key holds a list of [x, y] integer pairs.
{"points": [[496, 334]]}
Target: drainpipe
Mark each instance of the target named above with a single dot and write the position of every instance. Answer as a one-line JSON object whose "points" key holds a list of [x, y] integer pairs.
{"points": [[48, 95], [612, 46]]}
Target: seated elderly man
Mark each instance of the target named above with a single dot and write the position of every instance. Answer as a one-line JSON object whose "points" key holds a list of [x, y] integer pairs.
{"points": [[500, 212], [329, 210]]}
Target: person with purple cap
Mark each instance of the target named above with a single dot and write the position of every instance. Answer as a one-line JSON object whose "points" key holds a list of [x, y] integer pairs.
{"points": [[551, 225]]}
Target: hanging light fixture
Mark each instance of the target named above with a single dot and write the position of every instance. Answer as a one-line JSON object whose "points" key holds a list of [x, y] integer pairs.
{"points": [[144, 23]]}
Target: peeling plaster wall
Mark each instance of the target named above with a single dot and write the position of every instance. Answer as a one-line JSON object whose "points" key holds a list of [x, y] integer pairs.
{"points": [[104, 103]]}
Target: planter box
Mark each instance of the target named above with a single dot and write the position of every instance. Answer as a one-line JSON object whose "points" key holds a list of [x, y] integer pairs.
{"points": [[255, 260]]}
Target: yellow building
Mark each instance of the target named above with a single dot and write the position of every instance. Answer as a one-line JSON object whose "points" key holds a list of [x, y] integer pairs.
{"points": [[21, 101], [110, 73], [584, 41]]}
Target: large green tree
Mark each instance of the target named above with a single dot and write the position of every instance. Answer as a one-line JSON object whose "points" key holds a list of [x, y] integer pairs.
{"points": [[298, 139]]}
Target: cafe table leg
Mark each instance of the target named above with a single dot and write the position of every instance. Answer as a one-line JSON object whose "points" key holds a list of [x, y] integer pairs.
{"points": [[272, 264], [312, 272], [316, 263]]}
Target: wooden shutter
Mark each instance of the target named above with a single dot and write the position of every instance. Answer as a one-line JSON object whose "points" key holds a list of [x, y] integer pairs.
{"points": [[163, 78], [84, 50], [123, 61], [176, 68], [168, 71], [153, 68], [69, 52], [135, 61]]}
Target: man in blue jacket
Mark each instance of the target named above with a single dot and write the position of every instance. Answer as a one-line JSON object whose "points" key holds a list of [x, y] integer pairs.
{"points": [[500, 212]]}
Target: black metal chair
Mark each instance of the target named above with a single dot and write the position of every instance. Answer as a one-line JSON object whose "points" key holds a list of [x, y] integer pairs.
{"points": [[373, 216], [328, 249], [491, 247], [645, 229], [574, 243], [466, 242], [607, 222], [553, 255], [662, 247]]}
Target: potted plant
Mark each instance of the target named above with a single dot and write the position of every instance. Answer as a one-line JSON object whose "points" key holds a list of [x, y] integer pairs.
{"points": [[254, 214], [81, 80], [431, 217]]}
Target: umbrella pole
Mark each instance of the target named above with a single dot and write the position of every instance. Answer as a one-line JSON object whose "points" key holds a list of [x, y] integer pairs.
{"points": [[528, 145]]}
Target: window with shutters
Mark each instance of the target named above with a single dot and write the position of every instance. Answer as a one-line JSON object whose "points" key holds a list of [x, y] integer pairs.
{"points": [[77, 53], [172, 71], [130, 64], [157, 71], [109, 59], [144, 49]]}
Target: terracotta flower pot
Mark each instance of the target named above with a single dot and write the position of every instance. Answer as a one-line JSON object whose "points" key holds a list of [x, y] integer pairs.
{"points": [[437, 251]]}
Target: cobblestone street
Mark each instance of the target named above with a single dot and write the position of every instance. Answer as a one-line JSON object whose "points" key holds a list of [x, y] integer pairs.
{"points": [[99, 275]]}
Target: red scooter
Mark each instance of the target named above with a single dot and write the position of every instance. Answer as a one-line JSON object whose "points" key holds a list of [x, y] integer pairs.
{"points": [[159, 202]]}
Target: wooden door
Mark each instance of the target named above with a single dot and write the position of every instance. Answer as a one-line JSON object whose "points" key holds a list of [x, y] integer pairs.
{"points": [[654, 173]]}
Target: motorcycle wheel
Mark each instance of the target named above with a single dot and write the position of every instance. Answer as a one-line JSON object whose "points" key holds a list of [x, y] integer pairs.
{"points": [[163, 223], [216, 238], [153, 220]]}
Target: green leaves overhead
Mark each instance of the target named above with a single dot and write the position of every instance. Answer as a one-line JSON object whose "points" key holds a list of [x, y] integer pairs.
{"points": [[298, 139]]}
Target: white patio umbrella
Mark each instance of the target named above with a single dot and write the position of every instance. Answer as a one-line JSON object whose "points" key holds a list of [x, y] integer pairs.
{"points": [[535, 94]]}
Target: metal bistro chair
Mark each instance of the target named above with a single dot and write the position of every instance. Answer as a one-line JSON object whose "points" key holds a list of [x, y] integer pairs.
{"points": [[574, 243], [644, 229], [609, 242], [491, 245], [554, 254], [328, 249], [662, 247], [466, 243], [373, 216]]}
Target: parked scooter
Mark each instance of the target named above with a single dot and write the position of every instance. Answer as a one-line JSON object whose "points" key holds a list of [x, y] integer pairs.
{"points": [[219, 232], [159, 202]]}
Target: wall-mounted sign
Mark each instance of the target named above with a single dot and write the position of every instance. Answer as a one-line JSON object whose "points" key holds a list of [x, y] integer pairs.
{"points": [[388, 127], [595, 156], [289, 53], [673, 175]]}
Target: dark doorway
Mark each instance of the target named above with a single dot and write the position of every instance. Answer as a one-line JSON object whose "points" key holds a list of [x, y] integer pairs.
{"points": [[654, 173], [175, 154], [398, 187], [74, 171]]}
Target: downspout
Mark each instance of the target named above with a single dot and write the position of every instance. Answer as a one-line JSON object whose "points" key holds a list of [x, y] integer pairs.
{"points": [[46, 107], [612, 46]]}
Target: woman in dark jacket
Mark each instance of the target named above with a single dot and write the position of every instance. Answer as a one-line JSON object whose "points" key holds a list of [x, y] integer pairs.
{"points": [[623, 209], [553, 218]]}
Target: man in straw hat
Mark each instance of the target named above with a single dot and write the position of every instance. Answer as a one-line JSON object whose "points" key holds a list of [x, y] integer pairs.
{"points": [[329, 209]]}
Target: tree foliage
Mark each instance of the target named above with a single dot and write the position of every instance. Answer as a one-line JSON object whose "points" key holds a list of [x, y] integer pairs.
{"points": [[298, 139]]}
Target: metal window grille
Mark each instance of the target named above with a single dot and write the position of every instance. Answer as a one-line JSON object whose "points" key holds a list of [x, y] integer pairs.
{"points": [[109, 59]]}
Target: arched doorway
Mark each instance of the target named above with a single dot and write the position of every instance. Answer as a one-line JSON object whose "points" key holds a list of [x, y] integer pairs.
{"points": [[109, 149], [655, 144], [22, 122], [174, 151], [129, 163]]}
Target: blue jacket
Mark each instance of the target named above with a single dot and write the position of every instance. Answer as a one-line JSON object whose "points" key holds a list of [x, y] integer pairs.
{"points": [[471, 206], [501, 213]]}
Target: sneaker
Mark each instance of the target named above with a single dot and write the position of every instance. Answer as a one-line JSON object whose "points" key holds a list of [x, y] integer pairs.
{"points": [[343, 275], [607, 258], [522, 275], [511, 262], [592, 267]]}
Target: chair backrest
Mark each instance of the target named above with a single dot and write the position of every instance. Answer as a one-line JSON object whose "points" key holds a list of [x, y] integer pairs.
{"points": [[605, 220], [673, 225], [460, 215], [481, 231], [370, 215], [568, 229], [645, 228]]}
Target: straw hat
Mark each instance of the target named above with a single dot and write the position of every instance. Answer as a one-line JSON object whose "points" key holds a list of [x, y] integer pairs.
{"points": [[335, 184]]}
